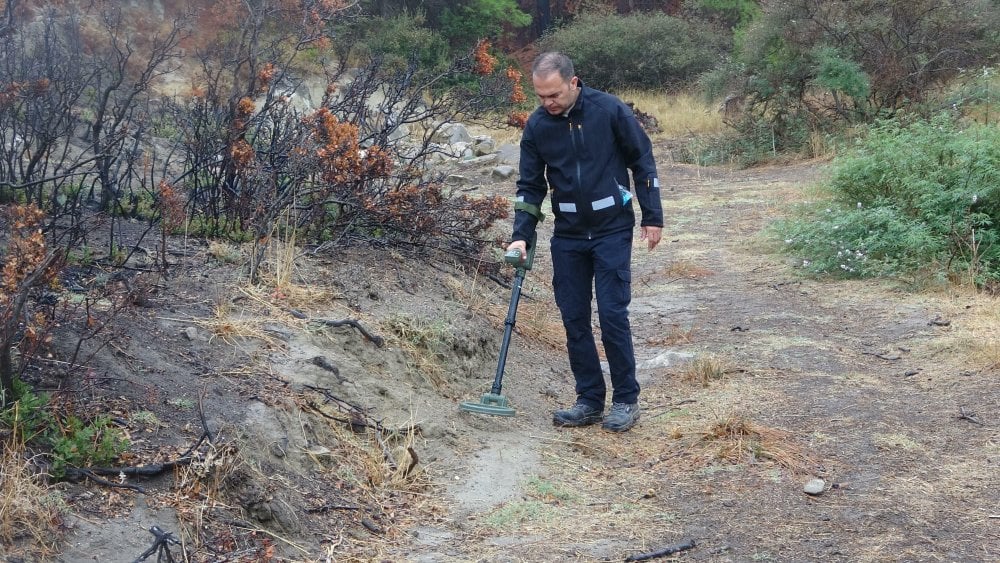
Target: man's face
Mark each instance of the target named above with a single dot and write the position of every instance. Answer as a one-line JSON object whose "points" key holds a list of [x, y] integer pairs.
{"points": [[556, 95]]}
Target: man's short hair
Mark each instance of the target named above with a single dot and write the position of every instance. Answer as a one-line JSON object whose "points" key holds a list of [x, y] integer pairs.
{"points": [[553, 61]]}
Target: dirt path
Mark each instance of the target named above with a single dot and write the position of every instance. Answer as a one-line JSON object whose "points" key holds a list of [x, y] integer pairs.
{"points": [[755, 381]]}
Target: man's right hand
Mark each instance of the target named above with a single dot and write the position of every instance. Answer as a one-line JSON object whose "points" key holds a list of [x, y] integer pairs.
{"points": [[520, 246]]}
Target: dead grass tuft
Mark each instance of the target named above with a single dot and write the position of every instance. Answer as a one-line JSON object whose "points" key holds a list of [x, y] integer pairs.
{"points": [[226, 253], [30, 515], [675, 334], [979, 332], [685, 270], [704, 371], [738, 440], [537, 319]]}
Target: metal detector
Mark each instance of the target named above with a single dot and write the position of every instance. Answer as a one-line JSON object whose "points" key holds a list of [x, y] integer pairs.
{"points": [[493, 403]]}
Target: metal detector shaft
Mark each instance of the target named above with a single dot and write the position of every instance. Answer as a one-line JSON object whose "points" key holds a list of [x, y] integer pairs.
{"points": [[521, 264], [508, 329]]}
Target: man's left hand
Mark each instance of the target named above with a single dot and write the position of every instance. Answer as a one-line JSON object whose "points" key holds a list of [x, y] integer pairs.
{"points": [[651, 235]]}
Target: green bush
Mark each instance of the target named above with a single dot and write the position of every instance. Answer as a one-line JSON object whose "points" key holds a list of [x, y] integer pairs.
{"points": [[649, 51], [84, 444], [72, 443], [402, 39], [472, 20], [912, 196]]}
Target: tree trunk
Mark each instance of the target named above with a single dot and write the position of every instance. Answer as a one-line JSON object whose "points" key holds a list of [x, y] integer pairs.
{"points": [[6, 378]]}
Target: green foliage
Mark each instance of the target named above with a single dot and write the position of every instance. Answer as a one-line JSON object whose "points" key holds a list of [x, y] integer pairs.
{"points": [[842, 241], [26, 416], [637, 51], [862, 48], [72, 443], [82, 255], [80, 444], [404, 39], [735, 14], [473, 20], [839, 74], [976, 94], [912, 196], [209, 227]]}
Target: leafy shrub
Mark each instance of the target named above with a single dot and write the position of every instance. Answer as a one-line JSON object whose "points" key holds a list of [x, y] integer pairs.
{"points": [[82, 444], [472, 20], [403, 39], [924, 194], [637, 51], [72, 442]]}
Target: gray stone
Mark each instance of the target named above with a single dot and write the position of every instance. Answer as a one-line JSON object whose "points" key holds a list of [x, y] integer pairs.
{"points": [[478, 161], [459, 133], [399, 133], [452, 133], [667, 359], [814, 487], [483, 145], [503, 172]]}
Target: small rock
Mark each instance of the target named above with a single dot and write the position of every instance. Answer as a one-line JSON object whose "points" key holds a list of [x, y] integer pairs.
{"points": [[814, 487], [191, 333], [483, 146], [479, 160], [503, 171]]}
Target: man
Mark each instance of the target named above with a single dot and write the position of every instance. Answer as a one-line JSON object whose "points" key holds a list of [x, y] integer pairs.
{"points": [[581, 144]]}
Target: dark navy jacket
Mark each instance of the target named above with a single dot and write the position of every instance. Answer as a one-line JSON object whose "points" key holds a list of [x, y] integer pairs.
{"points": [[585, 158]]}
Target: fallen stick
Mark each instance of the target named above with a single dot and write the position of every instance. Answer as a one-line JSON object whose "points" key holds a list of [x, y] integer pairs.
{"points": [[669, 550], [374, 338]]}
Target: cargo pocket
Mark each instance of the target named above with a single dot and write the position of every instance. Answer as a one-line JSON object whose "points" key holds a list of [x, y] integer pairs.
{"points": [[625, 282]]}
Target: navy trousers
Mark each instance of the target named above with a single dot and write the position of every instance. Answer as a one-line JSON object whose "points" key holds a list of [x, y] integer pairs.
{"points": [[579, 268]]}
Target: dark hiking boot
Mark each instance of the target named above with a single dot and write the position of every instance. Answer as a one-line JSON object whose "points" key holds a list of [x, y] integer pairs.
{"points": [[621, 417], [577, 415]]}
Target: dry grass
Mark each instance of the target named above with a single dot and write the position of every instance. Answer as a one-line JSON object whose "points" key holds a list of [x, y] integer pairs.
{"points": [[738, 440], [675, 334], [978, 334], [500, 135], [30, 515], [226, 253], [683, 269], [679, 115], [704, 370], [537, 319]]}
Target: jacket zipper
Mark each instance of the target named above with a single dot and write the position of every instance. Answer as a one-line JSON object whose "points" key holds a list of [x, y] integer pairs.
{"points": [[576, 154]]}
